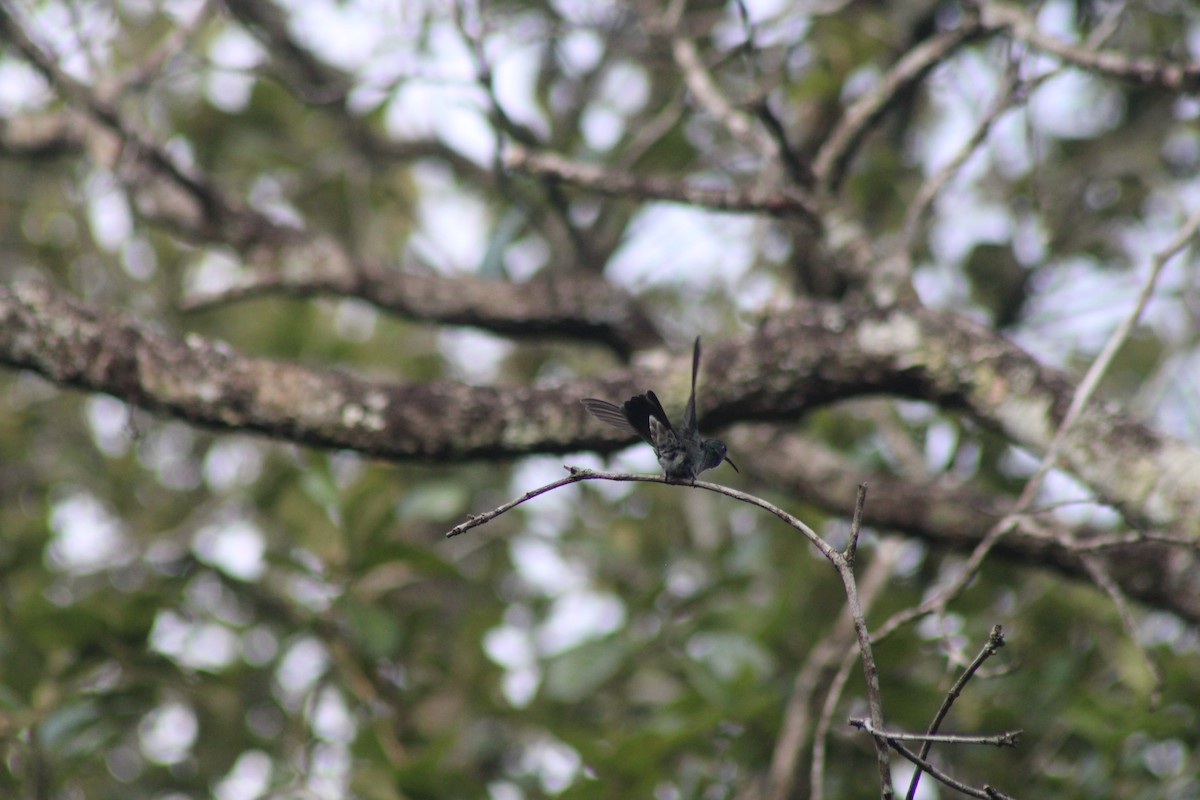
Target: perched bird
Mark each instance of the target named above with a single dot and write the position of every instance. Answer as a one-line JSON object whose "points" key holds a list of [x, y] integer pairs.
{"points": [[681, 452]]}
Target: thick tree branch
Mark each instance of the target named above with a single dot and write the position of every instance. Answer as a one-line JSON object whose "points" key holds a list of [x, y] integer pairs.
{"points": [[814, 355], [38, 138], [1162, 574], [571, 307], [574, 306], [207, 383]]}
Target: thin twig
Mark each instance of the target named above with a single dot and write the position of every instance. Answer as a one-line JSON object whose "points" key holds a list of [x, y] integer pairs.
{"points": [[1004, 100], [1099, 367], [986, 793], [797, 725], [1106, 541], [1100, 575], [701, 84], [994, 643], [142, 72], [855, 525], [816, 779], [781, 202], [870, 671], [238, 223], [576, 474], [798, 170], [1008, 739], [1011, 92], [839, 146], [1083, 394]]}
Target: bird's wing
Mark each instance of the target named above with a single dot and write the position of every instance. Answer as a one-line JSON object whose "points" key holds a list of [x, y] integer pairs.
{"points": [[612, 414], [633, 416], [665, 440], [640, 409]]}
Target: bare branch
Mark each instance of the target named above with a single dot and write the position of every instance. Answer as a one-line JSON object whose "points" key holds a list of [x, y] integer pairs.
{"points": [[1091, 380], [920, 204], [319, 84], [825, 722], [310, 78], [870, 668], [1002, 17], [830, 163], [783, 202], [844, 569], [1108, 541], [1008, 739], [994, 643], [952, 515], [574, 306], [236, 223], [987, 792], [797, 726], [40, 138], [710, 97], [855, 525], [576, 474], [909, 352], [1102, 578], [144, 71], [1067, 431], [1009, 94]]}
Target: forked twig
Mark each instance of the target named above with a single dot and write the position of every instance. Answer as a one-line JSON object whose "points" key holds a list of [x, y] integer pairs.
{"points": [[995, 642], [986, 793], [1008, 739]]}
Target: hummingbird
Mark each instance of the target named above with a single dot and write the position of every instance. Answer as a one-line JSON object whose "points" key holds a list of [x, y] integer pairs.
{"points": [[681, 452]]}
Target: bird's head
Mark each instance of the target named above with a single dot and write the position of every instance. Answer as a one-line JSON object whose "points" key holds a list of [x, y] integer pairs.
{"points": [[714, 453]]}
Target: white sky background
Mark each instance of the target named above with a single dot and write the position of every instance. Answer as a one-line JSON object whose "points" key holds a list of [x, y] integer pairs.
{"points": [[434, 94]]}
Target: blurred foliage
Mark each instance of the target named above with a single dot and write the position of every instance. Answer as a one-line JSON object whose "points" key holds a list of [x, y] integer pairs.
{"points": [[600, 642]]}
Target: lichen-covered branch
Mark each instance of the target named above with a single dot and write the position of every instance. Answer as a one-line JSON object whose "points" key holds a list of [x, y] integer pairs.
{"points": [[950, 515], [795, 362]]}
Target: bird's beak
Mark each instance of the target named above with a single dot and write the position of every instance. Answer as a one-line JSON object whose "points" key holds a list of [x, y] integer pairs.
{"points": [[729, 461]]}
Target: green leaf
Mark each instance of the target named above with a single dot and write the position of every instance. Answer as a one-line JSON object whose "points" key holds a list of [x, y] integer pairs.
{"points": [[377, 631], [582, 670]]}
